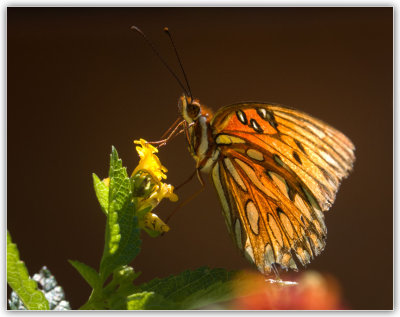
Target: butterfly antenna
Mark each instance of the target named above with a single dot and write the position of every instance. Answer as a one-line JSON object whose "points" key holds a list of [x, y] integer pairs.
{"points": [[166, 30], [135, 28]]}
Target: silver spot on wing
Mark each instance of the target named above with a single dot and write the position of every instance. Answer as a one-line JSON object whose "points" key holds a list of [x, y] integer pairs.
{"points": [[280, 182], [232, 170], [252, 216], [275, 229], [217, 183], [287, 224], [269, 255], [256, 127], [254, 179], [248, 253], [256, 155], [241, 117], [223, 139], [238, 234]]}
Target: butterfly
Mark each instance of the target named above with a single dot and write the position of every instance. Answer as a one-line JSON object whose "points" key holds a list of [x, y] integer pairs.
{"points": [[276, 171]]}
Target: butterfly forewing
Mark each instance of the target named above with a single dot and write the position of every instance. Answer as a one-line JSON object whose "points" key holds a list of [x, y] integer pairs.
{"points": [[332, 147], [278, 170]]}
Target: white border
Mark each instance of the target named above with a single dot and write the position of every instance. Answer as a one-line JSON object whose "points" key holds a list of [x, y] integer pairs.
{"points": [[189, 3], [238, 3]]}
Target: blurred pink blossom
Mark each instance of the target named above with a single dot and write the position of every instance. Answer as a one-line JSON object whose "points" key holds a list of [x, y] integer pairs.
{"points": [[309, 290]]}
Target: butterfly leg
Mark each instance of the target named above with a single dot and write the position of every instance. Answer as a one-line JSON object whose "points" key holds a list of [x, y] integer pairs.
{"points": [[186, 181], [171, 135], [194, 195], [175, 132], [200, 178], [179, 119]]}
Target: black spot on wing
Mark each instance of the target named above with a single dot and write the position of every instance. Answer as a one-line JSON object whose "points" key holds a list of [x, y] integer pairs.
{"points": [[299, 145], [256, 127], [268, 116], [297, 157], [291, 192], [241, 116], [278, 210], [278, 160], [328, 177], [263, 113], [274, 124]]}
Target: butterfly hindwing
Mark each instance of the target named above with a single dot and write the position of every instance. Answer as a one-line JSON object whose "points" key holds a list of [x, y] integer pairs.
{"points": [[278, 170], [263, 216]]}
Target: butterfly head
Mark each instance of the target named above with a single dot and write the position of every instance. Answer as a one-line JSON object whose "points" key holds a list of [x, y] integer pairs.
{"points": [[191, 109]]}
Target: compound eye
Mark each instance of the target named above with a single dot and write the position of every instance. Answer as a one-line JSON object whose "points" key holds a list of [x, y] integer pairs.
{"points": [[193, 110]]}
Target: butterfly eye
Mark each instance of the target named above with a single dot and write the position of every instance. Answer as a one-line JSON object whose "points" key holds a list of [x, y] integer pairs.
{"points": [[193, 110]]}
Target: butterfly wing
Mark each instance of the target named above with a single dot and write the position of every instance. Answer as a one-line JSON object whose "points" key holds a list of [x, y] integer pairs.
{"points": [[279, 168]]}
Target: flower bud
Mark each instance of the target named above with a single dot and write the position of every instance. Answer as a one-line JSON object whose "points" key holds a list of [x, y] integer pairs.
{"points": [[142, 184]]}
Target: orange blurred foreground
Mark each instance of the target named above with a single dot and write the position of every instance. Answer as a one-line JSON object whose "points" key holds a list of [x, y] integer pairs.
{"points": [[302, 291]]}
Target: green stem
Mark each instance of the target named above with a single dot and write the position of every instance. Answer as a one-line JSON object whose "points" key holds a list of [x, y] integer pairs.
{"points": [[95, 301]]}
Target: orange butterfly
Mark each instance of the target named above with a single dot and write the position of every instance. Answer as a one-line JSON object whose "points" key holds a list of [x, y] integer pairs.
{"points": [[275, 170]]}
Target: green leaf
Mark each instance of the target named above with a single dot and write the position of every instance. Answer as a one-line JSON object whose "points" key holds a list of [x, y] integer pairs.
{"points": [[122, 242], [19, 280], [148, 301], [88, 273], [48, 285], [120, 287], [194, 289], [101, 192], [215, 293], [125, 275], [128, 249]]}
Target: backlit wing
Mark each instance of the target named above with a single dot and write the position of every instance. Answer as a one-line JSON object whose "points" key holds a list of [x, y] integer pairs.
{"points": [[278, 170]]}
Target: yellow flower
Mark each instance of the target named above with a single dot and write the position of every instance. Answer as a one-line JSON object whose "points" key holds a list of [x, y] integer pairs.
{"points": [[153, 225], [148, 161], [148, 190], [162, 191]]}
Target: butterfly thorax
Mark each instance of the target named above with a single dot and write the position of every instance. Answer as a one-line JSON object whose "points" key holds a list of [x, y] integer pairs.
{"points": [[199, 133]]}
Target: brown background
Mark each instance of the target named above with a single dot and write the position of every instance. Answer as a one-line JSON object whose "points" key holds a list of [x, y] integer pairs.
{"points": [[79, 81]]}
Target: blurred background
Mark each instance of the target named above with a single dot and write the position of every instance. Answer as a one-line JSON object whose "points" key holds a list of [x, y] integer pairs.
{"points": [[79, 80]]}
